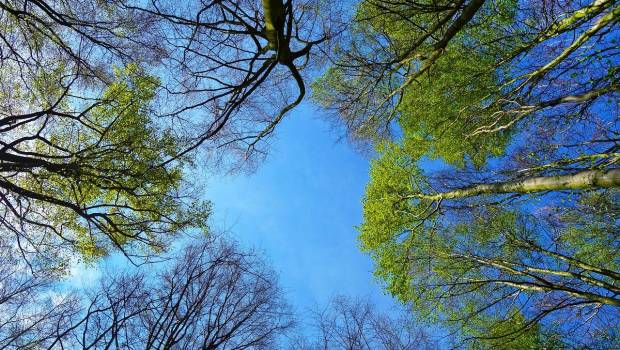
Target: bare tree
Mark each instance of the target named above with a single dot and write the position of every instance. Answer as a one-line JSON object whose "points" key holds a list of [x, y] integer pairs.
{"points": [[355, 324], [31, 309], [213, 296], [238, 65]]}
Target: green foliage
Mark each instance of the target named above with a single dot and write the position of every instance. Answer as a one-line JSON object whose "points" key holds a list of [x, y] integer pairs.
{"points": [[476, 260], [435, 113], [593, 238], [115, 172], [513, 333], [433, 262], [385, 208], [439, 112]]}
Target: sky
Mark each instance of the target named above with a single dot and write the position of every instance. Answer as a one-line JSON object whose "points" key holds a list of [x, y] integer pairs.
{"points": [[299, 210]]}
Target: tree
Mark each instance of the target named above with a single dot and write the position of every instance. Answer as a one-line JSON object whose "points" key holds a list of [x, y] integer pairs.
{"points": [[555, 266], [462, 81], [212, 296], [94, 180], [216, 55], [105, 104], [517, 101], [353, 323], [235, 63], [30, 314], [455, 70]]}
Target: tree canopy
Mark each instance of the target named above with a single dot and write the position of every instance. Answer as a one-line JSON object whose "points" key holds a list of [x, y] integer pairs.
{"points": [[491, 209], [494, 191], [212, 295]]}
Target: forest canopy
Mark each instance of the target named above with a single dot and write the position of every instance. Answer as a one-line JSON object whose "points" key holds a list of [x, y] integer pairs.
{"points": [[491, 211], [493, 197]]}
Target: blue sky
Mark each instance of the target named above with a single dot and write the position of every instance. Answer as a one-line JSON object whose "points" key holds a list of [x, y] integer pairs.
{"points": [[299, 208]]}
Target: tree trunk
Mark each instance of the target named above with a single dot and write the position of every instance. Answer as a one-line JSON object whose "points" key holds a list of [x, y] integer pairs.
{"points": [[579, 181], [275, 16]]}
